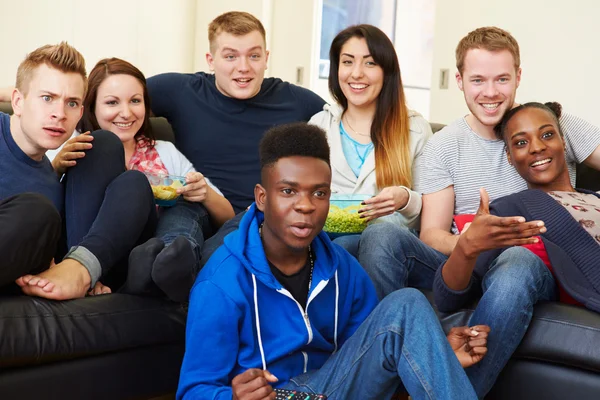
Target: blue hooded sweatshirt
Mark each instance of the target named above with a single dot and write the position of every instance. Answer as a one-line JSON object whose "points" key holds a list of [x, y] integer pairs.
{"points": [[241, 317]]}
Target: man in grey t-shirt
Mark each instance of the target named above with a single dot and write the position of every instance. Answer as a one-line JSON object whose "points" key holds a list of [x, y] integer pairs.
{"points": [[459, 160]]}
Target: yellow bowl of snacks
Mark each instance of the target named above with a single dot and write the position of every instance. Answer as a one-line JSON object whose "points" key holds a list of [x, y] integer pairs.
{"points": [[343, 218], [164, 188]]}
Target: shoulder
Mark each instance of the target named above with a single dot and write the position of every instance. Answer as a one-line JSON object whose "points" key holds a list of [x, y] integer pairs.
{"points": [[223, 269], [165, 148], [164, 145], [176, 80], [517, 202], [323, 118], [418, 125], [286, 89]]}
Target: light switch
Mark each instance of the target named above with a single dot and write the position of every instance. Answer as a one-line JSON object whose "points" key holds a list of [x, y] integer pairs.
{"points": [[444, 75]]}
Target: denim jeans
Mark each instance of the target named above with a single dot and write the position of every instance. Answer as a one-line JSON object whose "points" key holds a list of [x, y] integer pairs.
{"points": [[400, 344], [187, 219], [394, 257], [515, 282]]}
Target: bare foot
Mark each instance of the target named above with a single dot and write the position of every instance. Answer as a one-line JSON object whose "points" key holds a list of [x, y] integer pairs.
{"points": [[65, 280], [98, 289], [469, 344]]}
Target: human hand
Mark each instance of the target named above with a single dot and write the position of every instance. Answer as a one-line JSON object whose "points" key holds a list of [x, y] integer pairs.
{"points": [[386, 202], [469, 344], [71, 151], [488, 232], [253, 384], [196, 188]]}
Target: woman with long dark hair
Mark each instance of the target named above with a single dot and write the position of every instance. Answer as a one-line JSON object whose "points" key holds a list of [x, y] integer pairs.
{"points": [[374, 141]]}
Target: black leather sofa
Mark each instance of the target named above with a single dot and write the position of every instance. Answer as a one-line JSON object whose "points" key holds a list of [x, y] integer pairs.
{"points": [[127, 347], [115, 346]]}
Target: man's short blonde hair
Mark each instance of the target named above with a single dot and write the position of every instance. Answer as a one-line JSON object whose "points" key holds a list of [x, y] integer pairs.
{"points": [[489, 38], [237, 23], [62, 57]]}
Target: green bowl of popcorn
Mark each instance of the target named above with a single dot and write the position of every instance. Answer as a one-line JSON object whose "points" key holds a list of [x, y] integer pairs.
{"points": [[343, 218]]}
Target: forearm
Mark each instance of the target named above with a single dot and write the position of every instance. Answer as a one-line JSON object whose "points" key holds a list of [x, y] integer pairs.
{"points": [[439, 239], [458, 269], [218, 207]]}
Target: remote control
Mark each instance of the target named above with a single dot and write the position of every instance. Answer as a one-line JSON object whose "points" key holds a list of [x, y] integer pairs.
{"points": [[284, 394]]}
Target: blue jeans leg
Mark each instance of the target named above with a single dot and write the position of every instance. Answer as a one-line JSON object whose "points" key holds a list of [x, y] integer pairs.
{"points": [[400, 343], [394, 257], [350, 243], [190, 220], [516, 281]]}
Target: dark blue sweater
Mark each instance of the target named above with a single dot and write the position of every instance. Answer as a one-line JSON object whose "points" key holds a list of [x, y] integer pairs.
{"points": [[573, 253], [220, 134], [20, 174]]}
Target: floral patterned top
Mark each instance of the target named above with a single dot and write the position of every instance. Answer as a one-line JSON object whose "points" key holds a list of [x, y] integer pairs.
{"points": [[585, 208]]}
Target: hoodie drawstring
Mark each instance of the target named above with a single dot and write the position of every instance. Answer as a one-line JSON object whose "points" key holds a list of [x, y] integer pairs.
{"points": [[260, 346], [337, 299]]}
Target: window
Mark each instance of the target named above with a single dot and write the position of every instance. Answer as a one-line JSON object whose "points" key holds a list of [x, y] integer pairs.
{"points": [[339, 14], [409, 24]]}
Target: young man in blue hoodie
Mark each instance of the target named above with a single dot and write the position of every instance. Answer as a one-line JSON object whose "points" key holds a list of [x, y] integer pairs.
{"points": [[279, 305]]}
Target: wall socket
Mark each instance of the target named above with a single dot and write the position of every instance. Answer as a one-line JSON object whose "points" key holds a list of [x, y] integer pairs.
{"points": [[444, 77], [299, 75]]}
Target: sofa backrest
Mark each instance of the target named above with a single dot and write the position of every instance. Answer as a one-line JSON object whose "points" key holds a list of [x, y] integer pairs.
{"points": [[587, 178], [160, 126]]}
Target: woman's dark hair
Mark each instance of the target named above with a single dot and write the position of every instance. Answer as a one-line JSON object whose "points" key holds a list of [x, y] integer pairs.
{"points": [[103, 69], [555, 109], [390, 130]]}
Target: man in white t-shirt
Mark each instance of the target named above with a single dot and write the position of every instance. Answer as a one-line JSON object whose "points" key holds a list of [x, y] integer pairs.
{"points": [[465, 156]]}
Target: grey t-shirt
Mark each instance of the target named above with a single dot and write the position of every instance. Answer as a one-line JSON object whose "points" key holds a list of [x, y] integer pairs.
{"points": [[458, 156]]}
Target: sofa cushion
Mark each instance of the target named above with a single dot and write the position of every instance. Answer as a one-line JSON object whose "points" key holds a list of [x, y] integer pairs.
{"points": [[36, 331], [558, 334]]}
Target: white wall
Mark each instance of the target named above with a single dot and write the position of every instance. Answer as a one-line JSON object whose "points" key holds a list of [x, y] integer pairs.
{"points": [[154, 35], [560, 55]]}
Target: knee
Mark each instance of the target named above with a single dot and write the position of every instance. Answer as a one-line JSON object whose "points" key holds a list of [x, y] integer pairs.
{"points": [[37, 209], [134, 184], [518, 269], [406, 297], [108, 144], [106, 139], [384, 232]]}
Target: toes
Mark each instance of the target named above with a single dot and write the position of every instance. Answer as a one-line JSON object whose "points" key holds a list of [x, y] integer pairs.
{"points": [[33, 281], [48, 288], [43, 282], [20, 282]]}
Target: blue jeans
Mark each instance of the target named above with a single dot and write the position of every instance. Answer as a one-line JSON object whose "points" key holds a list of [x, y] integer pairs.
{"points": [[515, 282], [394, 257], [400, 344], [187, 219]]}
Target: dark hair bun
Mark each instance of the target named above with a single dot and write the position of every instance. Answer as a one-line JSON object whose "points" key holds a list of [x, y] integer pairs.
{"points": [[555, 107]]}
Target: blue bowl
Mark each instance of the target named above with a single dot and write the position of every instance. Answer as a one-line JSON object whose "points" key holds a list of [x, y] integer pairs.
{"points": [[164, 188], [343, 218]]}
